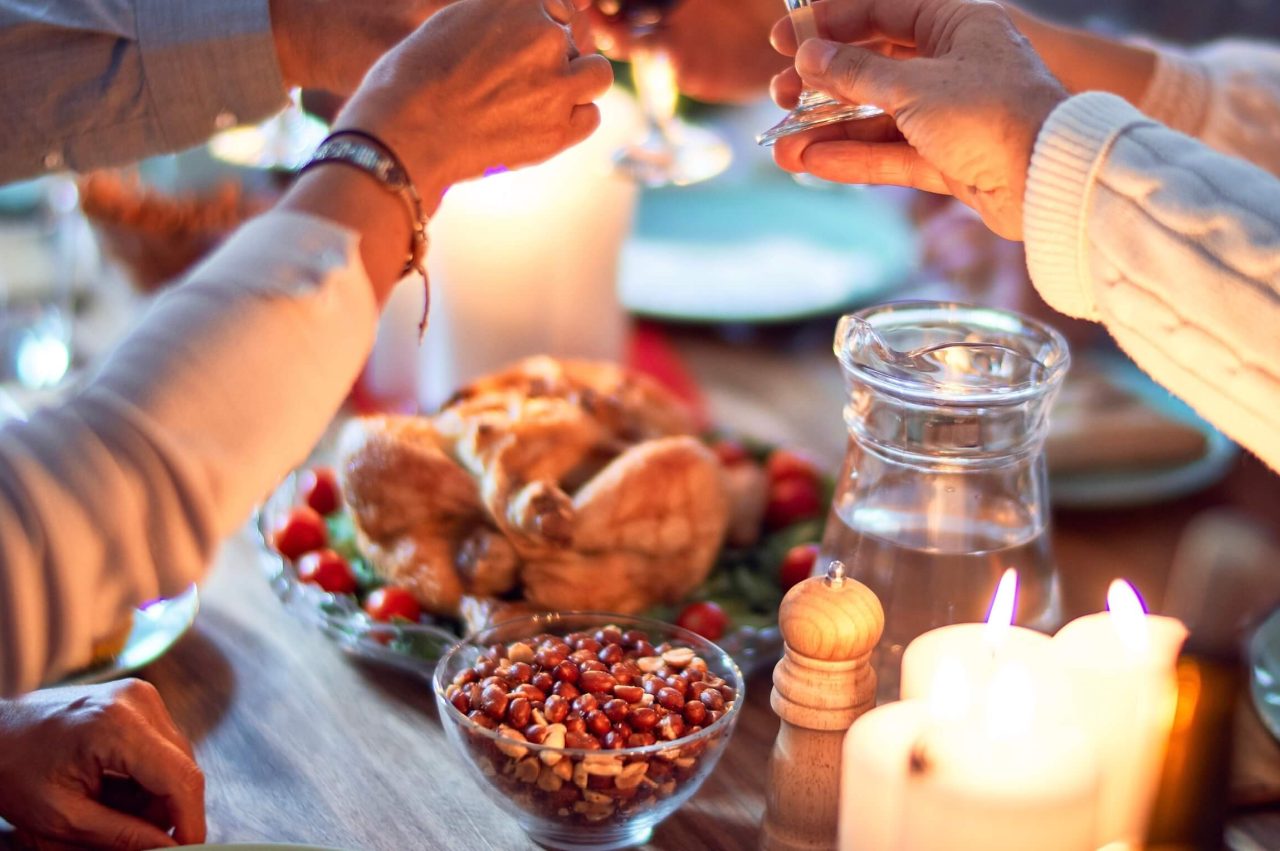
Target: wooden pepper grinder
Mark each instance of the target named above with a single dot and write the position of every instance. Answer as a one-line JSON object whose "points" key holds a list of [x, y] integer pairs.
{"points": [[823, 682]]}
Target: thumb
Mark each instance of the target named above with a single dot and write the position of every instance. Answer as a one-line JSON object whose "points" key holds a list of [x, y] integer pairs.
{"points": [[850, 73]]}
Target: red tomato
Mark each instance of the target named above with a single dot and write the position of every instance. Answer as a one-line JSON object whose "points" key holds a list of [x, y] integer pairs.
{"points": [[797, 565], [300, 531], [328, 570], [705, 618], [730, 452], [785, 464], [791, 500], [390, 603], [320, 490]]}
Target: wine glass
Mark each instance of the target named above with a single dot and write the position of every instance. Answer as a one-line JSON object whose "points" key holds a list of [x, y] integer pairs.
{"points": [[673, 152], [814, 108], [284, 142]]}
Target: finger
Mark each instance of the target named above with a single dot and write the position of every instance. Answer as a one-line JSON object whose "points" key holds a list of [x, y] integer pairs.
{"points": [[789, 151], [143, 697], [785, 88], [894, 164], [560, 11], [102, 827], [583, 121], [902, 22], [166, 772], [853, 74], [591, 76]]}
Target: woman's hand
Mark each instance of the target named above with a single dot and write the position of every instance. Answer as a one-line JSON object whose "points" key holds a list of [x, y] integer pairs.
{"points": [[484, 84], [67, 753], [965, 105]]}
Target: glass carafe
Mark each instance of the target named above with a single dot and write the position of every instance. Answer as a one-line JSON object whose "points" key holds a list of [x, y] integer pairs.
{"points": [[944, 483]]}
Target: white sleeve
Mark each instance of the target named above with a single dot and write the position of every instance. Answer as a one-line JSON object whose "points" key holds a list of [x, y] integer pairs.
{"points": [[123, 493], [1227, 94], [1174, 247]]}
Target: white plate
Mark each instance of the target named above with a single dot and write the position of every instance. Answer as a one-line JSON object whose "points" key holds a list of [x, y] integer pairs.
{"points": [[1128, 488], [764, 250], [156, 628]]}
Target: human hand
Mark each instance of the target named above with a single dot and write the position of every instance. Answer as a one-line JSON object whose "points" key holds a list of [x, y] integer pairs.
{"points": [[484, 84], [331, 46], [966, 100], [62, 752], [720, 48]]}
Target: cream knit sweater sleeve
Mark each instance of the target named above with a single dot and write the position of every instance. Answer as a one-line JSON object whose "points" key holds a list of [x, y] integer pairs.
{"points": [[1171, 245], [1227, 94], [123, 493]]}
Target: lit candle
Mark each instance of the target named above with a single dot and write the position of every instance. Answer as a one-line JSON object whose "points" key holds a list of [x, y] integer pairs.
{"points": [[525, 262], [968, 769], [1120, 666], [977, 648]]}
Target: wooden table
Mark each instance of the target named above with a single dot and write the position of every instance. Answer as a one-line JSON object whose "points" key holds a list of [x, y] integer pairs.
{"points": [[301, 745]]}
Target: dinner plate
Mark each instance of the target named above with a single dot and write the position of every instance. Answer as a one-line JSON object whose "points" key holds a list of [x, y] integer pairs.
{"points": [[1130, 488], [762, 250], [156, 627]]}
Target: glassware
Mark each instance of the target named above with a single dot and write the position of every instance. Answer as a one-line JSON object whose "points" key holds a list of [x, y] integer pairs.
{"points": [[48, 252], [944, 483], [284, 142], [814, 108], [605, 814], [673, 153]]}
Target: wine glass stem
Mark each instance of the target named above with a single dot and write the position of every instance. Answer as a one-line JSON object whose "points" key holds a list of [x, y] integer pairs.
{"points": [[655, 82], [805, 24]]}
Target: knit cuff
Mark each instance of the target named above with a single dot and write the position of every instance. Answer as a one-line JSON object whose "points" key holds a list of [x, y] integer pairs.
{"points": [[1069, 151], [1179, 92]]}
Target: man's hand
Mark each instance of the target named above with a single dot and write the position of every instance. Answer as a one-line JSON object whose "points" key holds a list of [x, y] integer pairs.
{"points": [[966, 94], [720, 48], [330, 44], [98, 767]]}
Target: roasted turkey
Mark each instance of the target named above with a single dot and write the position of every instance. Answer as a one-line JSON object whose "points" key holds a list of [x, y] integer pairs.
{"points": [[551, 485]]}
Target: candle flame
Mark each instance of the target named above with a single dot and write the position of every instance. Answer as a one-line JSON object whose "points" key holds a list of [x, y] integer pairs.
{"points": [[1011, 703], [1000, 616], [1128, 616], [949, 696]]}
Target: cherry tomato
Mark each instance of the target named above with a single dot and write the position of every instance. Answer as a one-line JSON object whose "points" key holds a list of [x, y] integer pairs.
{"points": [[298, 532], [797, 565], [390, 603], [730, 452], [328, 570], [705, 618], [785, 464], [791, 500], [320, 490]]}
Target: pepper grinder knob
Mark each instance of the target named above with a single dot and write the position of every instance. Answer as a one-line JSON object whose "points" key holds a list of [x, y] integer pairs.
{"points": [[824, 681]]}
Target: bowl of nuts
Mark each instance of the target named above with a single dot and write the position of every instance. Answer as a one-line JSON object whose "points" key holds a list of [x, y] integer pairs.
{"points": [[588, 728]]}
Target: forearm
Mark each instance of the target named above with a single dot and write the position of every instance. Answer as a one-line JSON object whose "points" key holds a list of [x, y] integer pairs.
{"points": [[1172, 247], [86, 85]]}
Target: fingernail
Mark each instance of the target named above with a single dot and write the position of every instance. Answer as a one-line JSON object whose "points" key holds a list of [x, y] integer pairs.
{"points": [[815, 56]]}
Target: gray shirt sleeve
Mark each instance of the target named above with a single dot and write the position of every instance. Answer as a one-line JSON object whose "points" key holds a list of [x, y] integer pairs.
{"points": [[96, 83]]}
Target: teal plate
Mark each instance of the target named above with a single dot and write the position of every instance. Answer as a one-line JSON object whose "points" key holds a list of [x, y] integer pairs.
{"points": [[765, 251]]}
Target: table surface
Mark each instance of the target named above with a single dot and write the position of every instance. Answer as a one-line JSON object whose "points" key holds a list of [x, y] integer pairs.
{"points": [[300, 744]]}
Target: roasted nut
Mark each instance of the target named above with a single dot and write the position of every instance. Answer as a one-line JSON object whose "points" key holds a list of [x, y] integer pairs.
{"points": [[671, 727], [520, 652], [566, 672], [631, 775], [695, 712], [507, 742], [649, 664], [617, 709], [598, 723], [610, 654], [528, 769], [521, 672], [587, 643], [640, 740], [549, 656], [543, 682], [629, 694], [585, 703], [597, 681], [643, 718], [670, 699], [535, 733], [554, 739], [581, 741], [556, 709], [575, 723], [566, 689], [549, 780], [712, 699], [493, 700], [482, 718], [602, 766], [679, 657], [519, 713], [460, 701]]}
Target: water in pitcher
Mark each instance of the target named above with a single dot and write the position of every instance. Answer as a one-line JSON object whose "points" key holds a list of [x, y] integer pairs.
{"points": [[923, 587]]}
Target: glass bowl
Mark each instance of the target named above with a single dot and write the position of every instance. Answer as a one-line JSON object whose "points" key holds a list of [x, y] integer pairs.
{"points": [[577, 798], [412, 647]]}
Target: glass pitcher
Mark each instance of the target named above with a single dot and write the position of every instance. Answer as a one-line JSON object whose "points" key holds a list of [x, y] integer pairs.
{"points": [[943, 486]]}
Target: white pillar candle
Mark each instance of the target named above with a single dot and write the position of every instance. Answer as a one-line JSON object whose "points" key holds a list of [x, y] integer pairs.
{"points": [[1003, 776], [1120, 667], [525, 262]]}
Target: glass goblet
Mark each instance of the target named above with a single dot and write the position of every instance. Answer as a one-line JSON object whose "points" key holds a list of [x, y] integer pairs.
{"points": [[814, 109]]}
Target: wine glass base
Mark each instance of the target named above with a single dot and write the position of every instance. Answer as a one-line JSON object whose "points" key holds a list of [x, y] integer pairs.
{"points": [[684, 155], [818, 114]]}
